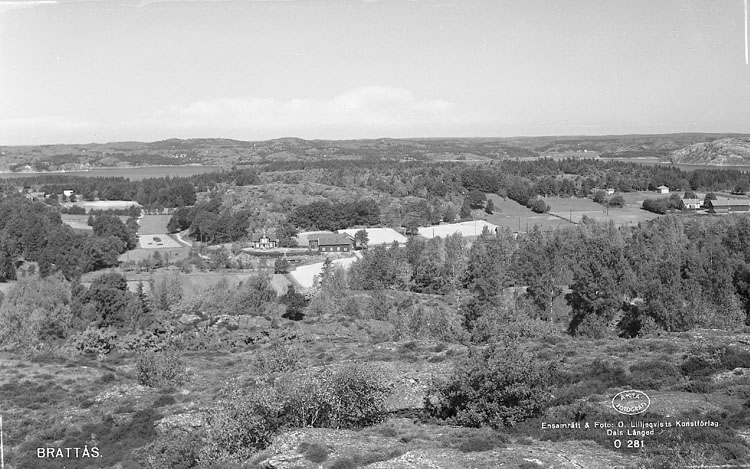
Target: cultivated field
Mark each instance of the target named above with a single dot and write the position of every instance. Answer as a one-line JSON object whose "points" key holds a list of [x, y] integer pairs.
{"points": [[80, 222], [153, 224], [157, 241], [305, 275], [171, 254], [466, 229], [516, 217], [377, 236], [102, 204], [573, 209]]}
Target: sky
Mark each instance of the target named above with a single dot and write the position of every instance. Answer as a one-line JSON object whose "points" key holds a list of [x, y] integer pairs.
{"points": [[77, 71]]}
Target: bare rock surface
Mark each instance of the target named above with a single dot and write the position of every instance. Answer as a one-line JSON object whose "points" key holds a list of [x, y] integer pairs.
{"points": [[393, 453]]}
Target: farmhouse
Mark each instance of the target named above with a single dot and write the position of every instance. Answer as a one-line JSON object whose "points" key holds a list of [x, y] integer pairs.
{"points": [[662, 190], [264, 242], [68, 192], [333, 242], [34, 196], [692, 204], [609, 191], [728, 205]]}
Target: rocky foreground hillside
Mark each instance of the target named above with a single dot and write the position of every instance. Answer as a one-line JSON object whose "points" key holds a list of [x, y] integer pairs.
{"points": [[732, 151]]}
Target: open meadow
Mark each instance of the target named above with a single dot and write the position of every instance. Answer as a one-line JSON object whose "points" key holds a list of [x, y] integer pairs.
{"points": [[80, 222], [101, 204], [574, 209], [153, 224], [509, 214]]}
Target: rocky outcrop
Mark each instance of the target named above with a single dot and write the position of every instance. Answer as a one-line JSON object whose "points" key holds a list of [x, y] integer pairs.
{"points": [[732, 151]]}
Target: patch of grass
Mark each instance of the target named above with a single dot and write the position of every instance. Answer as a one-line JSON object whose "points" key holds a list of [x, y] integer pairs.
{"points": [[654, 374], [476, 444], [164, 400], [439, 348], [344, 463], [115, 442], [127, 408], [313, 452], [86, 403]]}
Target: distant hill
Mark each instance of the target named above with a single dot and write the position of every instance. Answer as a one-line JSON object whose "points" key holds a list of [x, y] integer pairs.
{"points": [[718, 149], [732, 151]]}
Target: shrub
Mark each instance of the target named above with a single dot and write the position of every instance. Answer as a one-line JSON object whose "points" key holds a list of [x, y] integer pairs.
{"points": [[659, 206], [176, 451], [538, 206], [95, 341], [161, 369], [592, 327], [242, 422], [357, 395], [279, 358], [497, 385]]}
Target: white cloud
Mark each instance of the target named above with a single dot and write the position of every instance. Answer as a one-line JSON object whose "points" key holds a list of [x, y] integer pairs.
{"points": [[370, 109]]}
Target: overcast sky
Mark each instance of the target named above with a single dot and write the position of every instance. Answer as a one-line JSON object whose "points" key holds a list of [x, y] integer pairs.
{"points": [[75, 71]]}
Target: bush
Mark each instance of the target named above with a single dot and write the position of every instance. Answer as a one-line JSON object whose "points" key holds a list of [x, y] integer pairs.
{"points": [[242, 422], [497, 385], [592, 327], [95, 341], [351, 397], [538, 206], [659, 206], [161, 369], [357, 396], [176, 451], [279, 358], [247, 417]]}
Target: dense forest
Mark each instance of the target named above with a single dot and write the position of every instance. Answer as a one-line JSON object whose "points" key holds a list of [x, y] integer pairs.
{"points": [[33, 231]]}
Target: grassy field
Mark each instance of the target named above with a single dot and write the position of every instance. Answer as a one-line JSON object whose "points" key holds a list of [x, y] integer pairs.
{"points": [[153, 224], [573, 209], [173, 254], [160, 241], [511, 214], [80, 222]]}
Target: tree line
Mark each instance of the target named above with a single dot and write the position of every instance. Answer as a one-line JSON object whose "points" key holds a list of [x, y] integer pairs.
{"points": [[33, 231], [668, 274]]}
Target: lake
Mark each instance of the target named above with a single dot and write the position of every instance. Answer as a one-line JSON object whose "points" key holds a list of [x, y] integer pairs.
{"points": [[684, 167], [134, 174]]}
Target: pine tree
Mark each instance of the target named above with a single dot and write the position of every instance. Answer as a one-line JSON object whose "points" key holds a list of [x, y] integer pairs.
{"points": [[490, 207]]}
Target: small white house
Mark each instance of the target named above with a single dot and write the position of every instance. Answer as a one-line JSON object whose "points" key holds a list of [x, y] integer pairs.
{"points": [[692, 204], [609, 191], [662, 190], [68, 192]]}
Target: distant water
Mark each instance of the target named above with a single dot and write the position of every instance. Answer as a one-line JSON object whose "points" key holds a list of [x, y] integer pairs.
{"points": [[684, 167], [134, 174]]}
